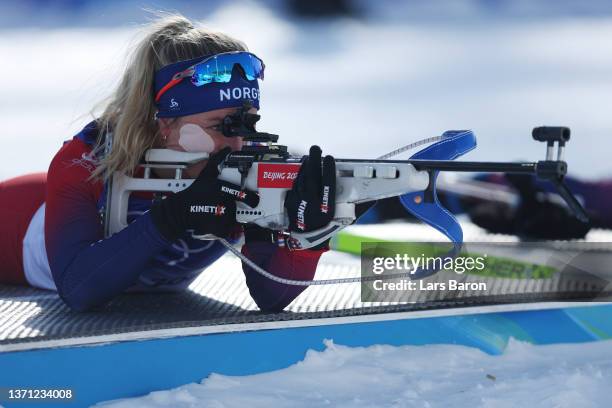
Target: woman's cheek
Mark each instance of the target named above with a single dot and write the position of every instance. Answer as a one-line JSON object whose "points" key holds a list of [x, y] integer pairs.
{"points": [[192, 138]]}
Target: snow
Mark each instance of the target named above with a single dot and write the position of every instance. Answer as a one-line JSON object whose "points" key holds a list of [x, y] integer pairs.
{"points": [[561, 375]]}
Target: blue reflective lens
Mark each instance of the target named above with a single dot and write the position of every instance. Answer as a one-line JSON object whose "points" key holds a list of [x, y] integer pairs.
{"points": [[218, 68]]}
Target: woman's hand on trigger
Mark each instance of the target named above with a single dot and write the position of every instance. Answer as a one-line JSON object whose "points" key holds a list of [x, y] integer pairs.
{"points": [[311, 201], [207, 206]]}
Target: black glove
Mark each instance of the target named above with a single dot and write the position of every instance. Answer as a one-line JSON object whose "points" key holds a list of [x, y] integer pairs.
{"points": [[255, 233], [207, 206], [311, 201], [534, 218]]}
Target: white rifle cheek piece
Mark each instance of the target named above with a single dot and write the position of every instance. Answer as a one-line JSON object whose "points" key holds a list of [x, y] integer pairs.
{"points": [[120, 185]]}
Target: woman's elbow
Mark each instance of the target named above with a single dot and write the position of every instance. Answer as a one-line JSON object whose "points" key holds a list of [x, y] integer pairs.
{"points": [[271, 308], [78, 293], [274, 298]]}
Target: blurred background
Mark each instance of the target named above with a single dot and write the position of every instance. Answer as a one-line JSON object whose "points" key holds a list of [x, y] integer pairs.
{"points": [[357, 77]]}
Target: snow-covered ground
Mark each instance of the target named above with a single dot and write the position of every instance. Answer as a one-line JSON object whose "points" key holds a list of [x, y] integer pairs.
{"points": [[562, 375], [357, 87]]}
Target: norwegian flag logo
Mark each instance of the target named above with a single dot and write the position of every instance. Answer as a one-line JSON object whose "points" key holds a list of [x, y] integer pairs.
{"points": [[293, 244]]}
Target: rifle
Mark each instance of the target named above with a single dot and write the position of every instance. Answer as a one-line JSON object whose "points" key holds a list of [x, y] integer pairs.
{"points": [[264, 166]]}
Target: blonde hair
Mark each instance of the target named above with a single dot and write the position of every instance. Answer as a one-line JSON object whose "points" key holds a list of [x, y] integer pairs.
{"points": [[130, 110]]}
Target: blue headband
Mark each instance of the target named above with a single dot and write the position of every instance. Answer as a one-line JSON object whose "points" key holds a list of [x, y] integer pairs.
{"points": [[187, 99]]}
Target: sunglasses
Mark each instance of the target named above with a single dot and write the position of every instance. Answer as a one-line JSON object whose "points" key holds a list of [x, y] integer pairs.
{"points": [[218, 68]]}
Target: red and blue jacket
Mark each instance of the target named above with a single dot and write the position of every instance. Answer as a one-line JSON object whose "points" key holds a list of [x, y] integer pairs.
{"points": [[88, 270]]}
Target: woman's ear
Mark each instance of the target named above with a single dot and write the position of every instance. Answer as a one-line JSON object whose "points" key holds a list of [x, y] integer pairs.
{"points": [[164, 126]]}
